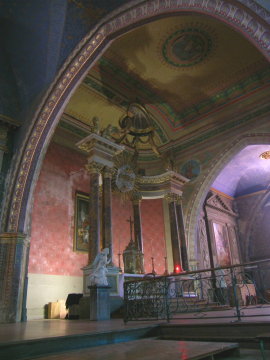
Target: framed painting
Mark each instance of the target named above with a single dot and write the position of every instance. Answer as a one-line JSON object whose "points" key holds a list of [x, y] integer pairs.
{"points": [[81, 227], [222, 245]]}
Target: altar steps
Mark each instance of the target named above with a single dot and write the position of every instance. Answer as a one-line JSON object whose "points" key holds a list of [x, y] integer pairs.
{"points": [[34, 348], [152, 349], [244, 333]]}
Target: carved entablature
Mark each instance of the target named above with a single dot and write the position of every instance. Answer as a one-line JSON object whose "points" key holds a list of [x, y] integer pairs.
{"points": [[221, 204], [99, 149], [166, 183]]}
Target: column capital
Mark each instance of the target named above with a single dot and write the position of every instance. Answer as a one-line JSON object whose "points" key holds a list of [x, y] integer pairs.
{"points": [[170, 197], [108, 172], [136, 198], [178, 199], [94, 167]]}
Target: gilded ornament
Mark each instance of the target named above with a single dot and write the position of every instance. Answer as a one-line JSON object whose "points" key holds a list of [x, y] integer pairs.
{"points": [[170, 197], [265, 155], [94, 168]]}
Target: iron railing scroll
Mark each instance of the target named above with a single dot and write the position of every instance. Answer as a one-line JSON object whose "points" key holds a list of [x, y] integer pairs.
{"points": [[224, 292]]}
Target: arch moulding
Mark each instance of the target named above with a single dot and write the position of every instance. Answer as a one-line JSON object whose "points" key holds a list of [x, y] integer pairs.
{"points": [[245, 16], [200, 192]]}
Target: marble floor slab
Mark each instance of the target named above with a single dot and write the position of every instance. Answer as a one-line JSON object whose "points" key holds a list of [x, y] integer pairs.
{"points": [[39, 329], [147, 349]]}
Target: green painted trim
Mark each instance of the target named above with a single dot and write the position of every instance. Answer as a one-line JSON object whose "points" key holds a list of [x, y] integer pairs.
{"points": [[8, 120], [222, 128], [176, 120], [73, 129]]}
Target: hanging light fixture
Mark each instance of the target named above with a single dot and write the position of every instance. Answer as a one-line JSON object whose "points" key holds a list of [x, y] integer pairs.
{"points": [[265, 155]]}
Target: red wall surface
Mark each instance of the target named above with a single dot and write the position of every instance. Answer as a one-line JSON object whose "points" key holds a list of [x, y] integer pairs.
{"points": [[153, 235], [51, 250]]}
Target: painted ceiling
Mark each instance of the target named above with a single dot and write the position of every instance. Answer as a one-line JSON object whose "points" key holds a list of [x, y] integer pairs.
{"points": [[183, 69]]}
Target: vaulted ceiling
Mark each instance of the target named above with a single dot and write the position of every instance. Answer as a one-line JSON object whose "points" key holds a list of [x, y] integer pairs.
{"points": [[194, 75], [183, 69]]}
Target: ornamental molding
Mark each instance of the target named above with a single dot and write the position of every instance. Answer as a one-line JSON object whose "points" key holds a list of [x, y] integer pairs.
{"points": [[222, 205], [165, 177], [96, 141]]}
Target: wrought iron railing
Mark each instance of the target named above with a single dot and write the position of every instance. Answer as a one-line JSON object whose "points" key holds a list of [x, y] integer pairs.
{"points": [[224, 292]]}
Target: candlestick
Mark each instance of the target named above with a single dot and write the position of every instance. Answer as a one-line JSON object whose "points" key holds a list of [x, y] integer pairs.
{"points": [[153, 266], [166, 266], [151, 244], [119, 261]]}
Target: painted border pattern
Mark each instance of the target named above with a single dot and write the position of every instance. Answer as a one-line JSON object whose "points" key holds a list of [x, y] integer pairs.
{"points": [[253, 28]]}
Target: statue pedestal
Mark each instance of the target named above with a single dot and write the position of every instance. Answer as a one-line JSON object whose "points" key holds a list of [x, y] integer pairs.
{"points": [[99, 303]]}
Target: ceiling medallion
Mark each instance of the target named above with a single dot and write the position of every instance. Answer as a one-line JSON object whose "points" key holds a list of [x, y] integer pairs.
{"points": [[265, 155], [187, 47]]}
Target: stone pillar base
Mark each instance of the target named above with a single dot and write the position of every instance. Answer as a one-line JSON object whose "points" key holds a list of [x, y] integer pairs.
{"points": [[99, 303], [14, 249]]}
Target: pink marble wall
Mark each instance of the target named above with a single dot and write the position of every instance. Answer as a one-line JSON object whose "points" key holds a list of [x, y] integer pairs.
{"points": [[51, 250]]}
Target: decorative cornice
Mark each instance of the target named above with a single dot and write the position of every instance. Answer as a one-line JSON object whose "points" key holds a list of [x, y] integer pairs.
{"points": [[215, 202], [95, 140], [159, 179], [9, 121]]}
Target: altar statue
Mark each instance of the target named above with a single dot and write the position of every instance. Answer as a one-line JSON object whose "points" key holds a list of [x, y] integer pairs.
{"points": [[98, 276]]}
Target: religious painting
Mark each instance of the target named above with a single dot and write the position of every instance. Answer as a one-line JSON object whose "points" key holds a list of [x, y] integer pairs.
{"points": [[222, 245], [191, 169], [81, 228]]}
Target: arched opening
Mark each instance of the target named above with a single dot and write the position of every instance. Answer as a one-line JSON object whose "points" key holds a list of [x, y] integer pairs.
{"points": [[84, 74], [235, 199]]}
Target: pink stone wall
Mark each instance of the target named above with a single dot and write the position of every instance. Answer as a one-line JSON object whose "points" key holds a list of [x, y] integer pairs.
{"points": [[121, 211], [51, 250], [153, 235]]}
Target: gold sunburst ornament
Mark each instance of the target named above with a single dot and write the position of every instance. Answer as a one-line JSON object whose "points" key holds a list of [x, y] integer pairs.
{"points": [[125, 175], [265, 155]]}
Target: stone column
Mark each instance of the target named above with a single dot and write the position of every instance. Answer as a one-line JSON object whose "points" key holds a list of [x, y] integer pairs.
{"points": [[136, 201], [94, 170], [13, 258], [171, 198], [182, 235], [107, 211]]}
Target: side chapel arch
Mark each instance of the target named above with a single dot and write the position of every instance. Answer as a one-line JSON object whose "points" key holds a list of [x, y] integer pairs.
{"points": [[248, 18], [218, 163]]}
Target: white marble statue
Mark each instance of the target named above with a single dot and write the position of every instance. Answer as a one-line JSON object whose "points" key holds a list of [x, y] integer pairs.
{"points": [[98, 276]]}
